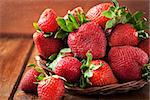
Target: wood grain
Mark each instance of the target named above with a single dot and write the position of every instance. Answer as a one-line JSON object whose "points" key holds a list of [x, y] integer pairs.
{"points": [[12, 55], [20, 95], [16, 17]]}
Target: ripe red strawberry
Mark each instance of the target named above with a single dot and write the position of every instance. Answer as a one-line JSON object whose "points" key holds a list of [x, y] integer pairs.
{"points": [[145, 46], [51, 88], [46, 46], [88, 37], [103, 75], [47, 21], [127, 61], [27, 83], [69, 68], [95, 13], [123, 34]]}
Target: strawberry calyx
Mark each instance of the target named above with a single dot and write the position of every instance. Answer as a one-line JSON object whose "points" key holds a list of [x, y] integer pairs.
{"points": [[140, 24], [117, 15], [40, 70], [70, 24], [122, 15], [31, 65], [37, 28], [55, 58], [142, 35], [146, 72], [51, 58], [87, 70]]}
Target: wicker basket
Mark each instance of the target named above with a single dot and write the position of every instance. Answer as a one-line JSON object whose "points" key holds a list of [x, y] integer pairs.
{"points": [[104, 90]]}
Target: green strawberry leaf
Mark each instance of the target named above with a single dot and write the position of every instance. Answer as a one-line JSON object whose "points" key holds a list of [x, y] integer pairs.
{"points": [[84, 82], [95, 67], [116, 4], [31, 65], [88, 74], [112, 9], [53, 64], [110, 24], [86, 63], [89, 58], [39, 69], [40, 77], [122, 15], [80, 17], [69, 25], [146, 72], [142, 35], [108, 14], [61, 34], [138, 21], [137, 15], [62, 23], [52, 57], [65, 50], [36, 26], [85, 20], [86, 71], [73, 20]]}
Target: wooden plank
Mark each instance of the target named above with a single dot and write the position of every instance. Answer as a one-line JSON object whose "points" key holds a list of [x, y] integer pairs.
{"points": [[18, 16], [20, 95], [12, 55]]}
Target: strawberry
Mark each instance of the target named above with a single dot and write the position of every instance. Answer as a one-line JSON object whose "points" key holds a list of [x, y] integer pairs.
{"points": [[95, 13], [97, 72], [46, 46], [127, 62], [145, 46], [69, 68], [128, 28], [51, 88], [47, 21], [27, 82], [89, 36], [103, 75], [123, 34]]}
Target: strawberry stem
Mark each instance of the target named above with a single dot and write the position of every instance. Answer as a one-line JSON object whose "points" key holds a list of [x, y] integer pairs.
{"points": [[69, 25], [146, 72], [118, 14]]}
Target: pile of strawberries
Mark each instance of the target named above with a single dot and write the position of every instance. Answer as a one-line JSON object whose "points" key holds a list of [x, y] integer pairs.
{"points": [[107, 45]]}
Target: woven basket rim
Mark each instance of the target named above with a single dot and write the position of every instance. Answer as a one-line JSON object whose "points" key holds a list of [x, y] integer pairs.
{"points": [[103, 90]]}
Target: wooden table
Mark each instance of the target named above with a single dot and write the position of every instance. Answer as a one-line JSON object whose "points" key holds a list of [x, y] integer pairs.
{"points": [[17, 49]]}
